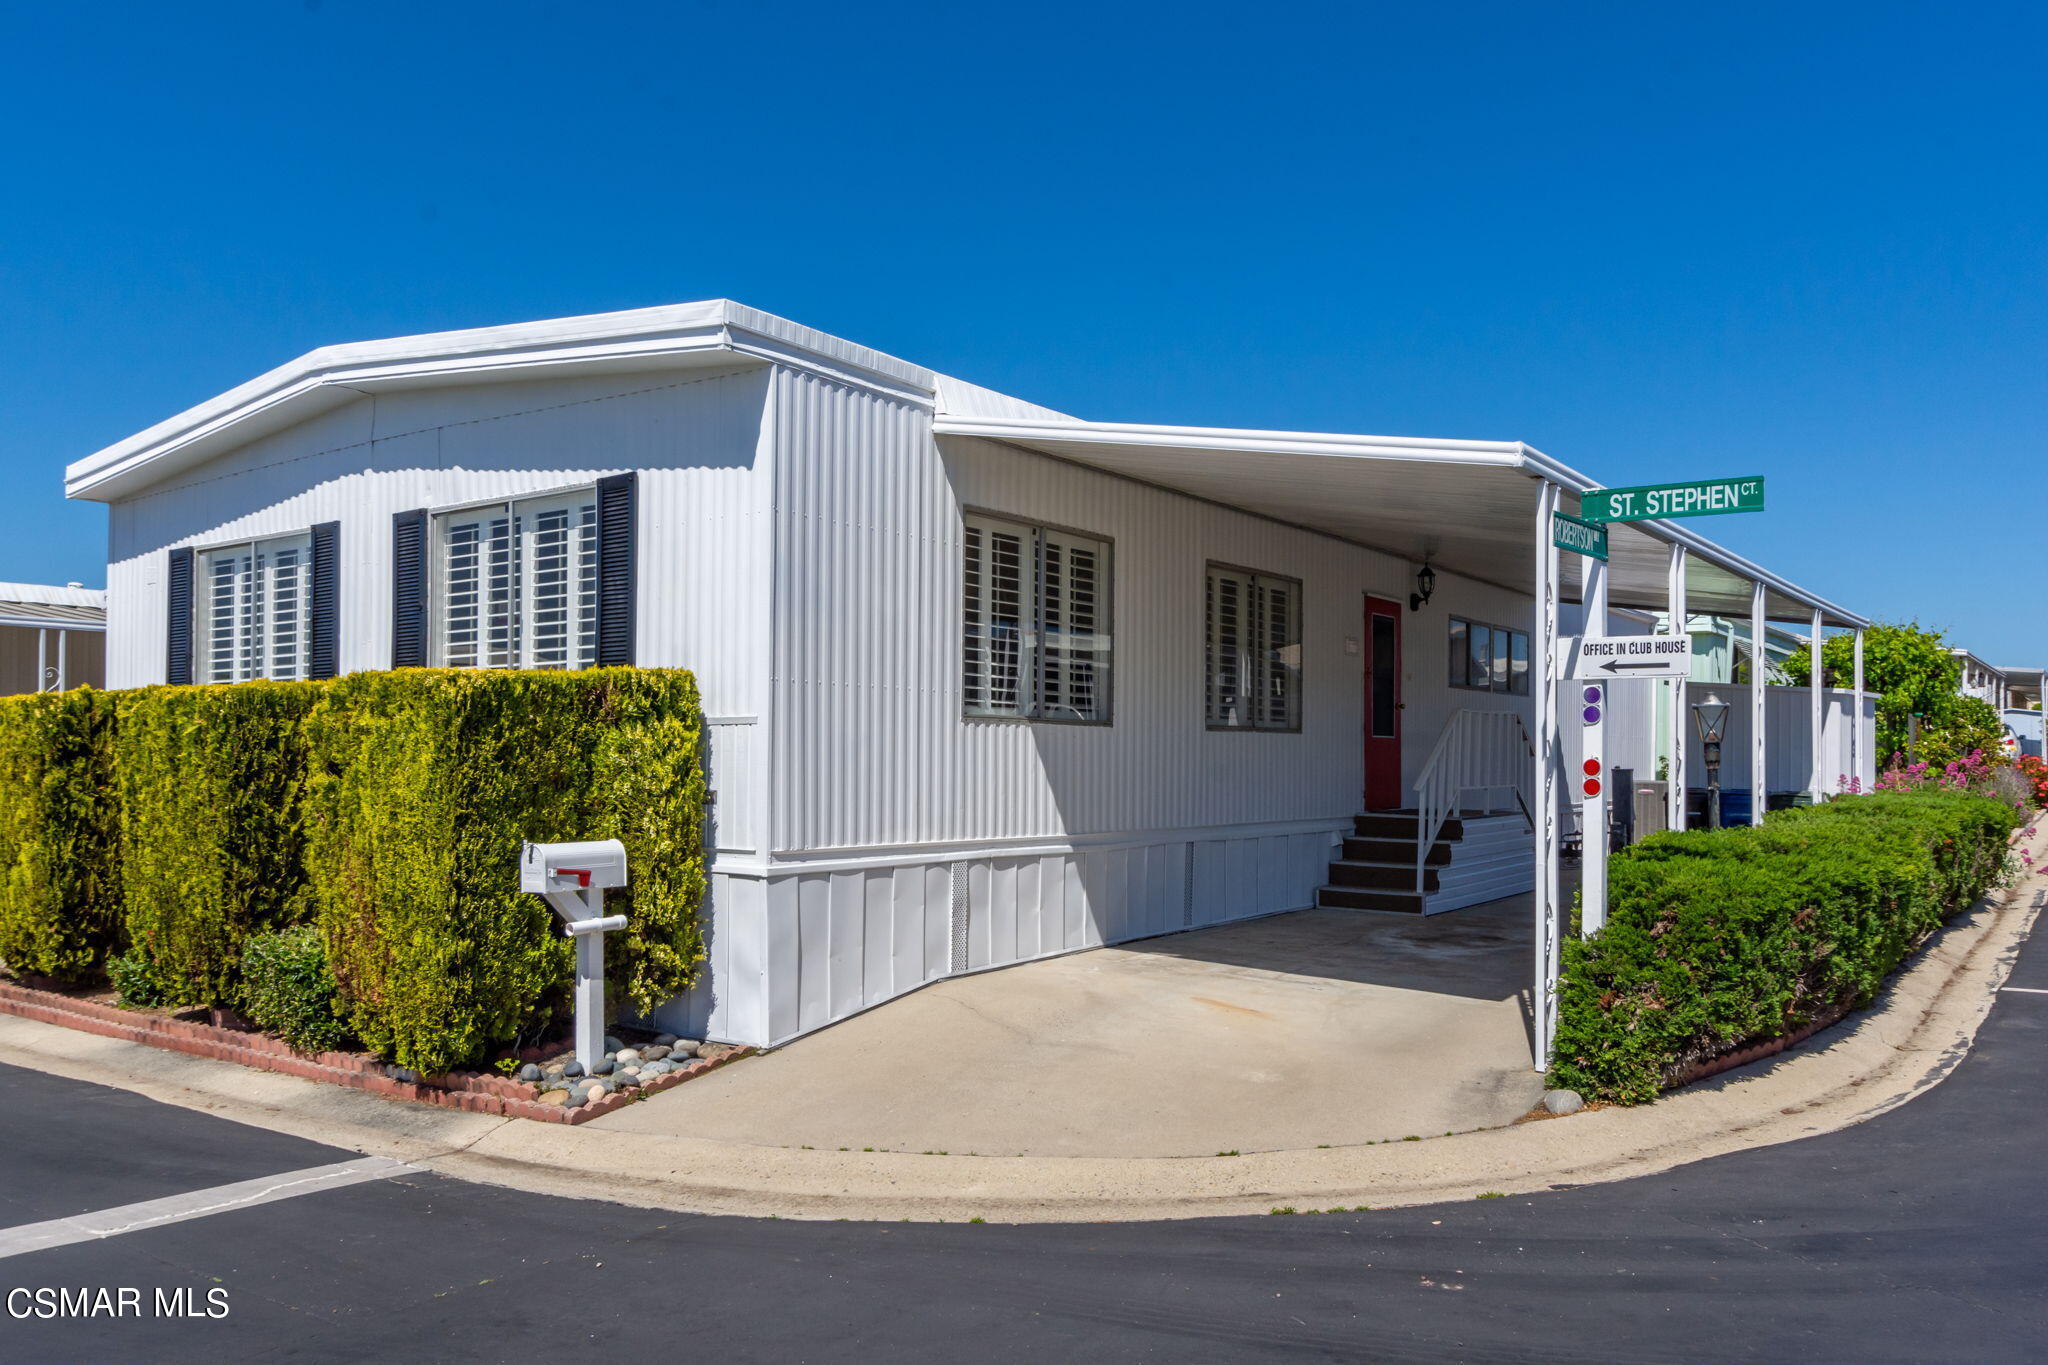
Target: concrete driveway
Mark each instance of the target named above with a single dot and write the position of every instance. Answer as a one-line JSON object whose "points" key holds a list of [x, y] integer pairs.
{"points": [[1322, 1027]]}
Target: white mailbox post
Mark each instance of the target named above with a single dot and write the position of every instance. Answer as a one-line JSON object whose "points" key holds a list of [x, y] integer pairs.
{"points": [[574, 878]]}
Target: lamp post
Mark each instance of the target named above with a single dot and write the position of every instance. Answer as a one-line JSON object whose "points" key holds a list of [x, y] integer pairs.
{"points": [[1711, 716]]}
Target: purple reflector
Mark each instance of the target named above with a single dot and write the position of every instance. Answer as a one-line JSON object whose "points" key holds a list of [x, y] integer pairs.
{"points": [[1592, 714], [1592, 695]]}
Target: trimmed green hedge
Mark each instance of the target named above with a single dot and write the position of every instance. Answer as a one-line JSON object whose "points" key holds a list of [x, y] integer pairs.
{"points": [[60, 857], [425, 782], [211, 780], [1719, 940]]}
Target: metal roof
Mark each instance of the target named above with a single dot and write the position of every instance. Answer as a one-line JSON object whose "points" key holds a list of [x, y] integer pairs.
{"points": [[1465, 506], [45, 605], [712, 332]]}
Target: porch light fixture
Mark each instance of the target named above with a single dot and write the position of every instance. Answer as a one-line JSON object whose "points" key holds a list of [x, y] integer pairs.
{"points": [[1711, 716], [1425, 587]]}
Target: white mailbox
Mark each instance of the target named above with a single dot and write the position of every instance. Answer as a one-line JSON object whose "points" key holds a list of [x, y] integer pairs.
{"points": [[590, 865], [573, 878]]}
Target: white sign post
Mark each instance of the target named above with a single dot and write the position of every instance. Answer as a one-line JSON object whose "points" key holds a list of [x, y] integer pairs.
{"points": [[1595, 663]]}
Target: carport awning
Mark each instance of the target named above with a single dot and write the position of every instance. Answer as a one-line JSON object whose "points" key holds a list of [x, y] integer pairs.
{"points": [[1466, 506]]}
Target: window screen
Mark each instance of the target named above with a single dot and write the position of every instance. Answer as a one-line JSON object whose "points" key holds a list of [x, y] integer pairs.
{"points": [[1253, 656], [1489, 658], [517, 585], [1035, 629], [253, 602]]}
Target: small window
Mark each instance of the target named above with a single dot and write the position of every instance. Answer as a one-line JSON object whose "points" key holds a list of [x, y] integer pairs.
{"points": [[252, 603], [515, 584], [1035, 630], [1253, 662], [1489, 658]]}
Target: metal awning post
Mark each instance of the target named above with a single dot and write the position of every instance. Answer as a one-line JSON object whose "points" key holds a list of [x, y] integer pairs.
{"points": [[1758, 787], [1863, 744], [43, 659], [1543, 650], [1815, 788], [1674, 603]]}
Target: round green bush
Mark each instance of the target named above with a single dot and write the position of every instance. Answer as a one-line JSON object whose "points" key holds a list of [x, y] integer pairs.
{"points": [[288, 990]]}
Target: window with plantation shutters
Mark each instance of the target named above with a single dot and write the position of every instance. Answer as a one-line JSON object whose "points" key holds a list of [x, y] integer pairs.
{"points": [[252, 607], [1035, 627], [1253, 653], [516, 584]]}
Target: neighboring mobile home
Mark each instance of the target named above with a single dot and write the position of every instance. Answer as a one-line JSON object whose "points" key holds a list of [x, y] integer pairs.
{"points": [[985, 683], [51, 638]]}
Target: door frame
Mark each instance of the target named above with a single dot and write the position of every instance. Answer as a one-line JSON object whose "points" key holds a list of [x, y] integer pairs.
{"points": [[1381, 753]]}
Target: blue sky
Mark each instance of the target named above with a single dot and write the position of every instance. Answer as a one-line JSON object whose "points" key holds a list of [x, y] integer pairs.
{"points": [[1658, 242]]}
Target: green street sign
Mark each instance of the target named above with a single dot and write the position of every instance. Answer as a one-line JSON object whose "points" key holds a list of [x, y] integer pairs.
{"points": [[1582, 537], [1663, 501]]}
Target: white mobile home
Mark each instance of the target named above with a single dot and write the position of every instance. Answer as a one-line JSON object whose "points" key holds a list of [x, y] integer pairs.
{"points": [[985, 682]]}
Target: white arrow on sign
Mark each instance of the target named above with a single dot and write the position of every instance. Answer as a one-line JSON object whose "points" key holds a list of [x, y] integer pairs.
{"points": [[1620, 657]]}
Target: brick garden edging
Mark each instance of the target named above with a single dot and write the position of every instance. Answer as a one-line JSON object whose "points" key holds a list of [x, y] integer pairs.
{"points": [[471, 1091]]}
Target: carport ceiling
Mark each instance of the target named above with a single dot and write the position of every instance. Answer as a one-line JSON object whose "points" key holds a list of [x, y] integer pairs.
{"points": [[1465, 506]]}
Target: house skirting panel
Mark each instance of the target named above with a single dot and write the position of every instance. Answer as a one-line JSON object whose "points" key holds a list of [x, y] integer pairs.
{"points": [[793, 949]]}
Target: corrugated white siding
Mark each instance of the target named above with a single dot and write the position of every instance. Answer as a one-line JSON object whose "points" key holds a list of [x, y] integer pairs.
{"points": [[696, 439], [871, 747]]}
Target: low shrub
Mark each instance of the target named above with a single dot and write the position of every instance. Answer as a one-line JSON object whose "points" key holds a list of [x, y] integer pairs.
{"points": [[136, 982], [424, 784], [211, 779], [1719, 940], [287, 989], [60, 859]]}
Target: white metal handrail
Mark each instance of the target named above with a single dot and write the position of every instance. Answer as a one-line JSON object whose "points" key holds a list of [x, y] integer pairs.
{"points": [[1485, 751]]}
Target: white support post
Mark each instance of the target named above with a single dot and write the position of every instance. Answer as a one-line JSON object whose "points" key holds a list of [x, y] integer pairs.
{"points": [[42, 659], [1862, 744], [1543, 667], [586, 922], [1674, 600], [63, 660], [1816, 789], [1596, 785], [1759, 787]]}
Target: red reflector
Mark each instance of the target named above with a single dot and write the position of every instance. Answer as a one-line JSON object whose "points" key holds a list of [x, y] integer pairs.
{"points": [[1592, 786], [1592, 767]]}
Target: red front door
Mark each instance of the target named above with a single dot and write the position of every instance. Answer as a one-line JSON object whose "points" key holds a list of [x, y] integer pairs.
{"points": [[1382, 704]]}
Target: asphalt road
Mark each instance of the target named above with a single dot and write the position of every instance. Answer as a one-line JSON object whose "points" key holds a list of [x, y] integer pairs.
{"points": [[1915, 1237]]}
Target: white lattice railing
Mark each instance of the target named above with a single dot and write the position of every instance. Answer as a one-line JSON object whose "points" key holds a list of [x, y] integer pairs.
{"points": [[1479, 751]]}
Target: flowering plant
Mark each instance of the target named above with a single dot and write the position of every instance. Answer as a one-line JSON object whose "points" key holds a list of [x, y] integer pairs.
{"points": [[1973, 772], [2036, 773]]}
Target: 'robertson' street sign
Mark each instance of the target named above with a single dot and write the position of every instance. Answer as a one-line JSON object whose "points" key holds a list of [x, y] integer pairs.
{"points": [[1707, 498], [1569, 533]]}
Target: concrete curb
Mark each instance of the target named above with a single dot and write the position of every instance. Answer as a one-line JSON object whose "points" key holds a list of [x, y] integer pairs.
{"points": [[1917, 1033]]}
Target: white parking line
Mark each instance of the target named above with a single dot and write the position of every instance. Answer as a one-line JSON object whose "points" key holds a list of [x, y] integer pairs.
{"points": [[153, 1213], [2026, 990]]}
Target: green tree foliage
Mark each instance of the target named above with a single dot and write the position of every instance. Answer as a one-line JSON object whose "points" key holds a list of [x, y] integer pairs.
{"points": [[1912, 672], [425, 784], [60, 856], [1970, 725], [1719, 940], [211, 780]]}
